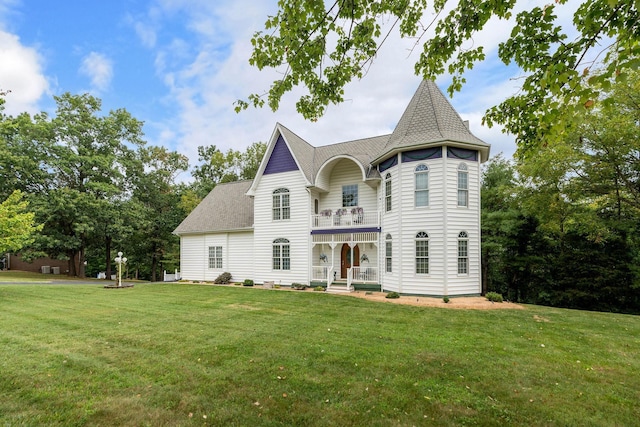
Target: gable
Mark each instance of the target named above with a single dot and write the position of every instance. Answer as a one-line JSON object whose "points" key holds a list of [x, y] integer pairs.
{"points": [[281, 159]]}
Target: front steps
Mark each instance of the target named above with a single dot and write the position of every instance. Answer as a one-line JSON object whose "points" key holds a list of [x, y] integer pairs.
{"points": [[339, 287]]}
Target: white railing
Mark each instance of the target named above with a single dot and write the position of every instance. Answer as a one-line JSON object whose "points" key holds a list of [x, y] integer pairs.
{"points": [[319, 273], [322, 273], [364, 274], [171, 277], [361, 275], [347, 219]]}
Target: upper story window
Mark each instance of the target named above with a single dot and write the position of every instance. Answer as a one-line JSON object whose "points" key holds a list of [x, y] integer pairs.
{"points": [[281, 206], [281, 254], [387, 192], [349, 195], [422, 253], [463, 253], [422, 185], [463, 185]]}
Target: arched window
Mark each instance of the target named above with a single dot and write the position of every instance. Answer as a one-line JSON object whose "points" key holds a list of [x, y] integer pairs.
{"points": [[422, 185], [281, 255], [463, 185], [422, 253], [388, 254], [387, 192], [281, 206], [463, 253]]}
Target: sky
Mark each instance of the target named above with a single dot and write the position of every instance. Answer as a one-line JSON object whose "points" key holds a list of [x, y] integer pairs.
{"points": [[178, 66]]}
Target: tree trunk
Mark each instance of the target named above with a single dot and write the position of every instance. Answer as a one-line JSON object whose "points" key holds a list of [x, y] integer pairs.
{"points": [[72, 263], [154, 267], [81, 263]]}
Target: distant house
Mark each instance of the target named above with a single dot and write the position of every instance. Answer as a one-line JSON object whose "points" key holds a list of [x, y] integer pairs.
{"points": [[398, 212]]}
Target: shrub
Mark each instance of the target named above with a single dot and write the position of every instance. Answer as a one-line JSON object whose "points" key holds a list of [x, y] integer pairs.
{"points": [[446, 300], [298, 286], [248, 282], [318, 289], [393, 295], [223, 279], [494, 297]]}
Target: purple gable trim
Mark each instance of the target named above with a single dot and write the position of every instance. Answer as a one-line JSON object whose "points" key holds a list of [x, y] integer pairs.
{"points": [[347, 230], [281, 159]]}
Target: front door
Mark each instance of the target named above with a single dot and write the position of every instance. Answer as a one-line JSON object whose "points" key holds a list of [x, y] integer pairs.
{"points": [[345, 259]]}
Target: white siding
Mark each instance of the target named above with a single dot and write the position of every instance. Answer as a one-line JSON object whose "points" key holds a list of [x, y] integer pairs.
{"points": [[463, 219], [237, 253], [296, 229], [192, 257], [239, 256], [391, 225], [442, 220], [346, 172], [429, 219]]}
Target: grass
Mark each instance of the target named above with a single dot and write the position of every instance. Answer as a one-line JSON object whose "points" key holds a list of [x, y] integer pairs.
{"points": [[178, 354]]}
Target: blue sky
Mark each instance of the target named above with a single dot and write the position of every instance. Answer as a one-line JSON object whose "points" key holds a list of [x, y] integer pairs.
{"points": [[178, 65]]}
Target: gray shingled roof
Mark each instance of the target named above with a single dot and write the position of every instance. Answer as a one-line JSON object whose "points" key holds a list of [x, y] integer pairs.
{"points": [[430, 118], [225, 208]]}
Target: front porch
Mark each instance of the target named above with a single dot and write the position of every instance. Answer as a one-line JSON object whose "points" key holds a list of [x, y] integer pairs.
{"points": [[346, 261]]}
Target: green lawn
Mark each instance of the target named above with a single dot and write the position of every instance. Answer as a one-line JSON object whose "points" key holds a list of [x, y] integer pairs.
{"points": [[178, 354]]}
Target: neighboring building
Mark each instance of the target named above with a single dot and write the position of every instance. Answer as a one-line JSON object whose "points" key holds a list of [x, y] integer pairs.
{"points": [[398, 212]]}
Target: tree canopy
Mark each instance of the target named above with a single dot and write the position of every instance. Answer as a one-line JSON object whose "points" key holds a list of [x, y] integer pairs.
{"points": [[323, 46], [17, 225]]}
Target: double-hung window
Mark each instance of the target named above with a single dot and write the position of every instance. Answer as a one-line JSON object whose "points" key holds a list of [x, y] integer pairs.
{"points": [[349, 195], [463, 253], [281, 206], [387, 192], [388, 254], [463, 185], [422, 253], [215, 257], [281, 254], [422, 185]]}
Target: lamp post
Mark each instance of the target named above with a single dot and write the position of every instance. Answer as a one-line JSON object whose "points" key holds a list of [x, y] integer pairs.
{"points": [[120, 260]]}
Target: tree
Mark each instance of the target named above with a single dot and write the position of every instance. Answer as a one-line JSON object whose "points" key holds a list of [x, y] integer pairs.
{"points": [[217, 167], [17, 225], [88, 163], [157, 193], [324, 48]]}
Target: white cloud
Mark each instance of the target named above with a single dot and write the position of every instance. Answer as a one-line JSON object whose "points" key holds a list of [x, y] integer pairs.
{"points": [[21, 73], [206, 80], [99, 69]]}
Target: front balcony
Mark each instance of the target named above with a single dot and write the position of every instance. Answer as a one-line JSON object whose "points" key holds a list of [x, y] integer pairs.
{"points": [[345, 218]]}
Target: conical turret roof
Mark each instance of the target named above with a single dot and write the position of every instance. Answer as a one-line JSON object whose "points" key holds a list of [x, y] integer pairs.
{"points": [[428, 119]]}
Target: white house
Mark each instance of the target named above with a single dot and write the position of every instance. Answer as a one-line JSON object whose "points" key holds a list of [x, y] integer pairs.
{"points": [[398, 212]]}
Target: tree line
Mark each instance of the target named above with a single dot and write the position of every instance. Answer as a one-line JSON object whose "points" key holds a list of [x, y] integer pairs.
{"points": [[560, 226], [82, 185], [559, 223]]}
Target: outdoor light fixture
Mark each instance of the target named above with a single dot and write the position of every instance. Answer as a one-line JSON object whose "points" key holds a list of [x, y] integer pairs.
{"points": [[120, 260]]}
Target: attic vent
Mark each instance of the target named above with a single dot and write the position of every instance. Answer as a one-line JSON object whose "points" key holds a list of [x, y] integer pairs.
{"points": [[466, 123]]}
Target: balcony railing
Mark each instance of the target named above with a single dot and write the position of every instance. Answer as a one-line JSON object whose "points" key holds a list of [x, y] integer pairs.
{"points": [[344, 218]]}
